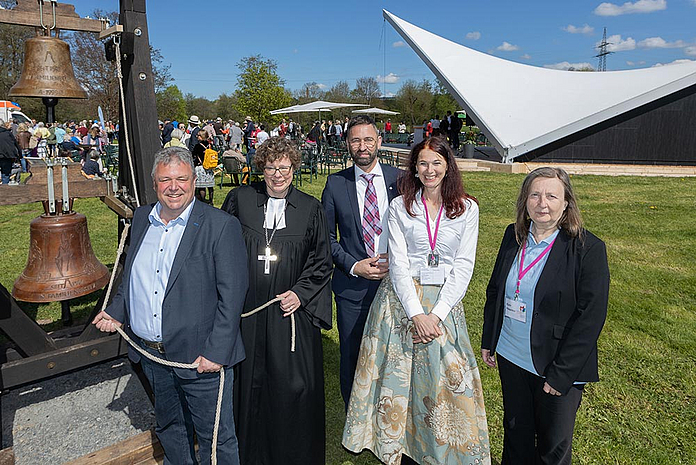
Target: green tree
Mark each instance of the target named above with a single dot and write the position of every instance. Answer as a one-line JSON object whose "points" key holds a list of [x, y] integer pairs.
{"points": [[171, 104], [339, 92], [413, 101], [310, 92], [200, 106], [443, 101], [226, 108], [366, 90], [260, 89]]}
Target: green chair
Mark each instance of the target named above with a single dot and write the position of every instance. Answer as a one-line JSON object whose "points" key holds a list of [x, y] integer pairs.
{"points": [[232, 167]]}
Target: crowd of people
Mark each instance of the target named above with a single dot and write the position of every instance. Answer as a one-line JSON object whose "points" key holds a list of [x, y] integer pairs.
{"points": [[448, 127], [86, 140], [248, 287]]}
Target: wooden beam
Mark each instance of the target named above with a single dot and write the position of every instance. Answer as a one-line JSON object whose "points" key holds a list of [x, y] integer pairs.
{"points": [[142, 449], [7, 456], [28, 193], [117, 29], [26, 13], [120, 208]]}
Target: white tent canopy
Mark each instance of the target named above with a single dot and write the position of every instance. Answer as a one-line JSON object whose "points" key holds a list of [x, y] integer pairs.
{"points": [[319, 106], [520, 107], [375, 111]]}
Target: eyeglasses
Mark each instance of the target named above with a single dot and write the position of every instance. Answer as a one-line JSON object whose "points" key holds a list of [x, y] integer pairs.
{"points": [[368, 141], [272, 170]]}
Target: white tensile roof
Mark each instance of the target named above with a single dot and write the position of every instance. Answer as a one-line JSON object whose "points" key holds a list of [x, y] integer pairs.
{"points": [[521, 107]]}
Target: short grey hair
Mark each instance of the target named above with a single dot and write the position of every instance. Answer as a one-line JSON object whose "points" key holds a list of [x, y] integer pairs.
{"points": [[169, 154]]}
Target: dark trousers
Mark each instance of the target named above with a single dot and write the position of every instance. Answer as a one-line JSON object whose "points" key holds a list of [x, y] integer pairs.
{"points": [[6, 169], [350, 318], [538, 426], [184, 406]]}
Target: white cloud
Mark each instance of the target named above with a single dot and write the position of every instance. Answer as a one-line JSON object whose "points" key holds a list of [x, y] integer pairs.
{"points": [[641, 6], [322, 86], [399, 43], [618, 44], [388, 95], [526, 56], [675, 62], [691, 51], [507, 47], [476, 35], [564, 65], [659, 42], [390, 78], [586, 29], [635, 63]]}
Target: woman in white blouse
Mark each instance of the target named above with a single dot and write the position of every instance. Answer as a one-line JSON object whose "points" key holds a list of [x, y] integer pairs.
{"points": [[417, 394]]}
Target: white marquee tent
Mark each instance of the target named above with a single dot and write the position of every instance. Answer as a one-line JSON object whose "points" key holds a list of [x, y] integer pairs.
{"points": [[520, 107]]}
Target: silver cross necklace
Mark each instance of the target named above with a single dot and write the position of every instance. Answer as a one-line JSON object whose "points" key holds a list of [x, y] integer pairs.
{"points": [[268, 257]]}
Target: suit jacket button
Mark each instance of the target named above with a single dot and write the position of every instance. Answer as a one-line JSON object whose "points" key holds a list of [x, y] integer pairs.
{"points": [[536, 314]]}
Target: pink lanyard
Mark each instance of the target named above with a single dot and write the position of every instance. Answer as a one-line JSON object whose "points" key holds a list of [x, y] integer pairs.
{"points": [[523, 271], [432, 238]]}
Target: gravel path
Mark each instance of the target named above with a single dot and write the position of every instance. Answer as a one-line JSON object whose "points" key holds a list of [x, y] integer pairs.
{"points": [[66, 417]]}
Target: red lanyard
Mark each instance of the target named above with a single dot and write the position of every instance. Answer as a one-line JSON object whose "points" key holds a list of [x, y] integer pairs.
{"points": [[432, 238], [523, 271]]}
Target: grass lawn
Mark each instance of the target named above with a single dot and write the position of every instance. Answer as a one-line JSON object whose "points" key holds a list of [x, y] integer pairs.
{"points": [[644, 409]]}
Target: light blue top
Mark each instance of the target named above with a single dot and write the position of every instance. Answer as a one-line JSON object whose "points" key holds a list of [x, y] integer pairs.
{"points": [[150, 273], [514, 343]]}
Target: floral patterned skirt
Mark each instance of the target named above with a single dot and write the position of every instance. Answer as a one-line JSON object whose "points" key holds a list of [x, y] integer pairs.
{"points": [[422, 400]]}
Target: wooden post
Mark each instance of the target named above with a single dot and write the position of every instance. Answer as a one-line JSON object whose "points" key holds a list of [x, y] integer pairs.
{"points": [[140, 113]]}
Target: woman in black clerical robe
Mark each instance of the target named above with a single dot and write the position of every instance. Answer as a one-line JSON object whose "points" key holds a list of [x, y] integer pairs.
{"points": [[279, 393]]}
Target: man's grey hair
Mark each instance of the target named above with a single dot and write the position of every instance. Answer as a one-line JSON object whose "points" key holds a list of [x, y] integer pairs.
{"points": [[169, 154]]}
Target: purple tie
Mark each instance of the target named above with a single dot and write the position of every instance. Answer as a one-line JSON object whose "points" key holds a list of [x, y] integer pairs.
{"points": [[370, 221]]}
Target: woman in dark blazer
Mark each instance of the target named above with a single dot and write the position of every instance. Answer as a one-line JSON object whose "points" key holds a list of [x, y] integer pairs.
{"points": [[543, 319]]}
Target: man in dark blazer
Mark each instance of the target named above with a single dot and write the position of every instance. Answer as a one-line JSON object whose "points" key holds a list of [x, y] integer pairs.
{"points": [[357, 273], [181, 297]]}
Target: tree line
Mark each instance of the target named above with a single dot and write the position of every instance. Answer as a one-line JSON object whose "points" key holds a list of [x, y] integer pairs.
{"points": [[259, 88]]}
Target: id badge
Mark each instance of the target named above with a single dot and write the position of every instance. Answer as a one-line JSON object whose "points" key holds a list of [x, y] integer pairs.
{"points": [[516, 309], [432, 276], [433, 260]]}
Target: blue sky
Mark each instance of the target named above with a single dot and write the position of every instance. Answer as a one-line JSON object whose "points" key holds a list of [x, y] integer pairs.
{"points": [[329, 41]]}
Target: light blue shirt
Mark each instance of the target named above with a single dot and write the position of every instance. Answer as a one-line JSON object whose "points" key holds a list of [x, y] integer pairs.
{"points": [[60, 135], [514, 342], [150, 273]]}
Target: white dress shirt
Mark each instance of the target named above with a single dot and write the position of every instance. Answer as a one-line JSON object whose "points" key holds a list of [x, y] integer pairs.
{"points": [[150, 273], [381, 240], [409, 247]]}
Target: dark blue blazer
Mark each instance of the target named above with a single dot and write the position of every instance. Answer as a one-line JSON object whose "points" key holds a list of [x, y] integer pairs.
{"points": [[340, 200], [205, 293], [570, 306]]}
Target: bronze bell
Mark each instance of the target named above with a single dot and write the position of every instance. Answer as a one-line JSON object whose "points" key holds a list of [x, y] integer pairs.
{"points": [[47, 71], [61, 263]]}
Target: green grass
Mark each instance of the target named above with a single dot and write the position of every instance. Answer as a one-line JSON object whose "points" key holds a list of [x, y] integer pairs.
{"points": [[643, 411]]}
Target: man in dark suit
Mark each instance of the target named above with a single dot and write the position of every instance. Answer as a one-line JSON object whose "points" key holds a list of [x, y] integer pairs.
{"points": [[181, 297], [356, 200]]}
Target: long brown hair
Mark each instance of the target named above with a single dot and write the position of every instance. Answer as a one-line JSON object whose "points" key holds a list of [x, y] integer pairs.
{"points": [[570, 221], [452, 189]]}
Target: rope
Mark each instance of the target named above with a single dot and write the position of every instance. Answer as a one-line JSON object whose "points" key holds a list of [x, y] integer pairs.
{"points": [[117, 43], [192, 366], [292, 320]]}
